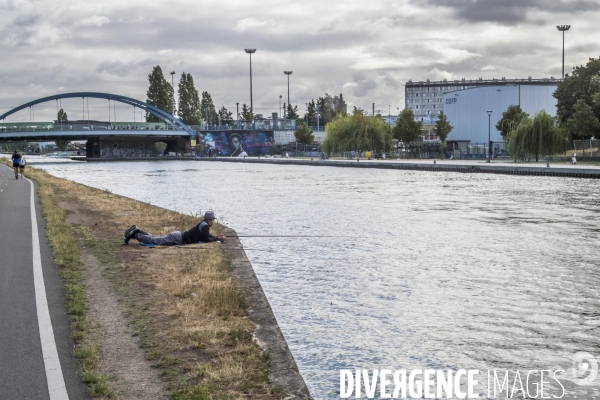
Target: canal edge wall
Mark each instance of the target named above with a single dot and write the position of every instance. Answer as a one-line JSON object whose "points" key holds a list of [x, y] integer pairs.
{"points": [[284, 371], [552, 171]]}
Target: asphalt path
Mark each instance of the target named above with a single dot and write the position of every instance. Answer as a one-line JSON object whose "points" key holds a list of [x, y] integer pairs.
{"points": [[36, 359]]}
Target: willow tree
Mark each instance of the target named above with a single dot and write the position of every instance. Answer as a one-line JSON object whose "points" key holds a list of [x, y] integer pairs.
{"points": [[357, 132], [541, 135]]}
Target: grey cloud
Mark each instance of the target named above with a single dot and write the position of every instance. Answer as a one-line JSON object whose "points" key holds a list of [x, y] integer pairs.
{"points": [[121, 69], [511, 12]]}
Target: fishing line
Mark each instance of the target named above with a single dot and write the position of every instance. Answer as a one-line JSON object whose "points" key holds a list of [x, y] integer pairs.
{"points": [[288, 236]]}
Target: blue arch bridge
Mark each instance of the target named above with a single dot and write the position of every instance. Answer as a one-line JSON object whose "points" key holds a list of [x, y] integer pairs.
{"points": [[103, 138]]}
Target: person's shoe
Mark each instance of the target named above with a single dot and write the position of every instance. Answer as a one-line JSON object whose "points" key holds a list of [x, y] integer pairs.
{"points": [[130, 233]]}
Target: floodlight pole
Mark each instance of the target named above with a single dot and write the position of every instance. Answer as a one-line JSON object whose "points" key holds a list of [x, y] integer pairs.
{"points": [[563, 28], [251, 51], [489, 113], [288, 73]]}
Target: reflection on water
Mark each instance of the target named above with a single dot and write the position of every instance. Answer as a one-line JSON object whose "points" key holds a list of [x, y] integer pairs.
{"points": [[440, 270]]}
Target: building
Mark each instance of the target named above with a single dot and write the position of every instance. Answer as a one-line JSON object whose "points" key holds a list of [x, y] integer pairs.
{"points": [[426, 98], [467, 110], [336, 102]]}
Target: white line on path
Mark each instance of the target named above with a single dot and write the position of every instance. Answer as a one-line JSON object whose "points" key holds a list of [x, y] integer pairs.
{"points": [[54, 376]]}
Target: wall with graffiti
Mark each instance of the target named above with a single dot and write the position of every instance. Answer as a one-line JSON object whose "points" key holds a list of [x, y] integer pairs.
{"points": [[235, 143]]}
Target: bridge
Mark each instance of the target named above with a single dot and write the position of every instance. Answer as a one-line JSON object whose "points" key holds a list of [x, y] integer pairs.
{"points": [[103, 140]]}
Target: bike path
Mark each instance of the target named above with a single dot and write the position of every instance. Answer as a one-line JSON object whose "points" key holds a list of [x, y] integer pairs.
{"points": [[36, 359]]}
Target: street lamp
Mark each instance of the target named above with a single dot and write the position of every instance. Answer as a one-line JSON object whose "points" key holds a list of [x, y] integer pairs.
{"points": [[237, 113], [288, 73], [251, 51], [489, 113], [563, 28], [280, 97], [173, 86]]}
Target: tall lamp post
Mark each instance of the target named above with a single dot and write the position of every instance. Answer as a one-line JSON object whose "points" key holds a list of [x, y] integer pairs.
{"points": [[251, 51], [288, 73], [489, 113], [237, 113], [173, 87], [563, 28]]}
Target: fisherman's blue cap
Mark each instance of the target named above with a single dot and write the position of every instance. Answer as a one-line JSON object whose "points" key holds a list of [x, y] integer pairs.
{"points": [[209, 215]]}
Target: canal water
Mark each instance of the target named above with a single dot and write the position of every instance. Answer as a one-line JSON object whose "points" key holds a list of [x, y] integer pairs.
{"points": [[405, 269]]}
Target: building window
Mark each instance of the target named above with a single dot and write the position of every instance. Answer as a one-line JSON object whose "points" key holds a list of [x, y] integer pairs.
{"points": [[435, 94], [434, 106], [417, 106], [416, 94], [428, 100]]}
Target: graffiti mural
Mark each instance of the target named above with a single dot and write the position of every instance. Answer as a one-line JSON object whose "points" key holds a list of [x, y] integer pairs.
{"points": [[235, 143]]}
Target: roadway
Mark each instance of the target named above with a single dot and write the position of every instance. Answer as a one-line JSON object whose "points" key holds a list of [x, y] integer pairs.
{"points": [[36, 361]]}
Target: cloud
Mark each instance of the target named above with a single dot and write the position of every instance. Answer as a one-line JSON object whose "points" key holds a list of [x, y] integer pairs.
{"points": [[365, 52], [95, 21], [247, 24], [512, 12]]}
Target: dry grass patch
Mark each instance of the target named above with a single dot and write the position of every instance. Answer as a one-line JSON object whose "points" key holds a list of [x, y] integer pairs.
{"points": [[184, 303]]}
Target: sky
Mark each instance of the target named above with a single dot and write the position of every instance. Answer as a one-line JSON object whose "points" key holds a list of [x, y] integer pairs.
{"points": [[366, 50]]}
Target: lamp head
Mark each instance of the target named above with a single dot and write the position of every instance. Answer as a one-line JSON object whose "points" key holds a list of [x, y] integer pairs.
{"points": [[563, 28], [250, 51], [489, 112], [288, 72]]}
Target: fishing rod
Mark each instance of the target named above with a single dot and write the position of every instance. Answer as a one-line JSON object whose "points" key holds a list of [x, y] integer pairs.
{"points": [[287, 236]]}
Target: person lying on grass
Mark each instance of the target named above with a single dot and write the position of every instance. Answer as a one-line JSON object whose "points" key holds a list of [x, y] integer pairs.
{"points": [[198, 234]]}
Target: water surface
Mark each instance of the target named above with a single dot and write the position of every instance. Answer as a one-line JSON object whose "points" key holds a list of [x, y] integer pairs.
{"points": [[435, 270]]}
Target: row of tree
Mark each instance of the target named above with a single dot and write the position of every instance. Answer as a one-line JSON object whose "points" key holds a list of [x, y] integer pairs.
{"points": [[360, 132], [192, 108]]}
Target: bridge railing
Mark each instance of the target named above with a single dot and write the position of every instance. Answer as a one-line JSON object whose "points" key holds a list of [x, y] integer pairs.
{"points": [[67, 127]]}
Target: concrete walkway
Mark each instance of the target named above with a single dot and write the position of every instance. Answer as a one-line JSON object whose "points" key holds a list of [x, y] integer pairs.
{"points": [[36, 359]]}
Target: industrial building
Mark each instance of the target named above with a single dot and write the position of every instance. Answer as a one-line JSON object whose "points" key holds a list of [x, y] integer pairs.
{"points": [[426, 98], [467, 110]]}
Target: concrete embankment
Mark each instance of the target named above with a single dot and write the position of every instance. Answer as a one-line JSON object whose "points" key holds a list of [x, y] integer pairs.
{"points": [[505, 168], [284, 370], [446, 166]]}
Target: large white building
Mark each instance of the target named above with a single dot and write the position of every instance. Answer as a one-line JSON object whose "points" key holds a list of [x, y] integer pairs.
{"points": [[466, 109], [425, 98]]}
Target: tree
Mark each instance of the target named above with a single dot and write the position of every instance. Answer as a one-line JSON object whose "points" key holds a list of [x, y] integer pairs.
{"points": [[225, 116], [326, 110], [160, 147], [246, 114], [407, 129], [583, 124], [510, 118], [540, 135], [357, 132], [311, 114], [442, 129], [189, 111], [209, 113], [292, 112], [582, 84], [62, 144], [61, 116], [159, 94], [303, 134]]}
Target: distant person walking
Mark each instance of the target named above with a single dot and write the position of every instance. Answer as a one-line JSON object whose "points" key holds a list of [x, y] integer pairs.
{"points": [[16, 159], [198, 234], [22, 165], [574, 158]]}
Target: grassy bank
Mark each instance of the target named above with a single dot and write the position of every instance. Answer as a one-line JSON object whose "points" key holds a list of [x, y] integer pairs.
{"points": [[184, 304]]}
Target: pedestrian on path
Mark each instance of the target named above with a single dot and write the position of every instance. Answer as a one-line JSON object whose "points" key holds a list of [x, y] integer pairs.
{"points": [[16, 159], [22, 165], [574, 158], [200, 233]]}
